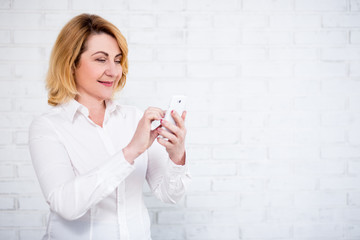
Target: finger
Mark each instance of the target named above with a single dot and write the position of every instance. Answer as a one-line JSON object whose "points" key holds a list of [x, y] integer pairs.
{"points": [[164, 142], [171, 137], [178, 120], [158, 110], [171, 127], [183, 115]]}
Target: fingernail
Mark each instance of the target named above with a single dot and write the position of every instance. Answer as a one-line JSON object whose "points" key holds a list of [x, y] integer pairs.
{"points": [[172, 111]]}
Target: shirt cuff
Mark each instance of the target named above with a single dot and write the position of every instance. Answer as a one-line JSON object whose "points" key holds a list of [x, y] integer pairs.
{"points": [[115, 170]]}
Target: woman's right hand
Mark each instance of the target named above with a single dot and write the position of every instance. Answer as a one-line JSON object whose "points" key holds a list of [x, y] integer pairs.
{"points": [[143, 136]]}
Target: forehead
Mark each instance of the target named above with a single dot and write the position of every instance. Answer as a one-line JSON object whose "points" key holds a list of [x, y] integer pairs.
{"points": [[103, 42]]}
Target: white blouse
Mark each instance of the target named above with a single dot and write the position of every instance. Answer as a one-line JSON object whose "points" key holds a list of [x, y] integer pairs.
{"points": [[93, 192]]}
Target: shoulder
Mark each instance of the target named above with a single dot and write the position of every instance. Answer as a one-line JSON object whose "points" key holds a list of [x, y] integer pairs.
{"points": [[44, 122]]}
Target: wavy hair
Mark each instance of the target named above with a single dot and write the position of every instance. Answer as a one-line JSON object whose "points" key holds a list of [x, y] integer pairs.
{"points": [[65, 55]]}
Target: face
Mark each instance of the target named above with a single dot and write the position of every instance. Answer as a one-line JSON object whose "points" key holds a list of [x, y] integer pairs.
{"points": [[99, 69]]}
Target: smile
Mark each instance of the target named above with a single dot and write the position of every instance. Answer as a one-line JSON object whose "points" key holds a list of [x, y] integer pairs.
{"points": [[106, 84]]}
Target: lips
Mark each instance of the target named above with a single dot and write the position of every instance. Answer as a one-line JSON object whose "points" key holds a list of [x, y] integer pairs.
{"points": [[106, 83]]}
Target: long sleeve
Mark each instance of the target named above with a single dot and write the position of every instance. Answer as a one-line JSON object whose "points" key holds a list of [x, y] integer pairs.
{"points": [[68, 194], [167, 180]]}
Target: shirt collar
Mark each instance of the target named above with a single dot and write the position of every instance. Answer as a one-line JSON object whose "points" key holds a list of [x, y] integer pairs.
{"points": [[72, 107]]}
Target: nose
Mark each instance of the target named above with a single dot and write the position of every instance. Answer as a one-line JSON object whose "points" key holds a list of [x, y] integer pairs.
{"points": [[113, 69]]}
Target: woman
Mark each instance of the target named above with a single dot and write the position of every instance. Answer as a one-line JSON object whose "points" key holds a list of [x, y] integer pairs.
{"points": [[92, 155]]}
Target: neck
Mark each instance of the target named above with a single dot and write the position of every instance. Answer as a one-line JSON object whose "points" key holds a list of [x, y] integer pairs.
{"points": [[96, 109]]}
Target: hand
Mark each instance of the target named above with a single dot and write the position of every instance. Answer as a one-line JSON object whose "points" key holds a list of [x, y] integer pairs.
{"points": [[175, 145], [143, 137]]}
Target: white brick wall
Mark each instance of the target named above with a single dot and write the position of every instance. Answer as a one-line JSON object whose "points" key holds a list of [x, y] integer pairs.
{"points": [[273, 123]]}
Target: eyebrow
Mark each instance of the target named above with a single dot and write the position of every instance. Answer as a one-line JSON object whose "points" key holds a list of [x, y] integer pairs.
{"points": [[106, 54]]}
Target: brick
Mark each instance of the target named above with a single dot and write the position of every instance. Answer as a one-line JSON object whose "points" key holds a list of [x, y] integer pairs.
{"points": [[213, 37], [341, 21], [303, 87], [14, 154], [250, 37], [26, 171], [294, 152], [199, 152], [18, 20], [35, 37], [321, 5], [218, 136], [198, 54], [263, 5], [274, 103], [339, 183], [16, 219], [6, 137], [338, 54], [265, 169], [199, 184], [205, 5], [354, 5], [212, 232], [19, 187], [318, 230], [354, 36], [171, 20], [201, 70], [25, 54], [21, 137], [169, 232], [332, 135], [212, 201], [161, 37], [237, 119], [239, 54], [5, 36], [297, 119], [320, 199], [293, 54], [8, 234], [266, 231], [352, 231], [286, 21], [214, 169], [267, 69], [320, 103], [198, 217], [197, 120], [240, 21], [244, 87], [141, 21], [354, 69], [287, 183], [7, 203], [32, 203], [141, 70], [271, 199], [199, 21], [238, 184], [354, 135], [7, 171], [354, 168], [99, 5], [341, 87], [240, 152], [335, 119], [354, 198], [321, 37], [39, 4], [320, 168], [320, 69], [5, 4], [30, 234], [340, 151], [225, 217], [171, 217]]}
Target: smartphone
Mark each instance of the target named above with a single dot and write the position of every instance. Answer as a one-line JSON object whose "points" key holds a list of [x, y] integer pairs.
{"points": [[178, 104]]}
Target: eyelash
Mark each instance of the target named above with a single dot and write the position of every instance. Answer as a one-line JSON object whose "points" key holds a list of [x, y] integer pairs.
{"points": [[104, 60]]}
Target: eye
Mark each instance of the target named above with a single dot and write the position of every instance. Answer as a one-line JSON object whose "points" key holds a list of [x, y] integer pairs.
{"points": [[102, 60]]}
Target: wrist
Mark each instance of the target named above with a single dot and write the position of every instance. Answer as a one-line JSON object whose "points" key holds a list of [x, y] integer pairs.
{"points": [[130, 154]]}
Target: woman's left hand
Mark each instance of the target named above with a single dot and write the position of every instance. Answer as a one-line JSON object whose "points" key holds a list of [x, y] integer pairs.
{"points": [[175, 143]]}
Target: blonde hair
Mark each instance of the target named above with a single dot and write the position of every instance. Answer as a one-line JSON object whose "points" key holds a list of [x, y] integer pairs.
{"points": [[65, 55]]}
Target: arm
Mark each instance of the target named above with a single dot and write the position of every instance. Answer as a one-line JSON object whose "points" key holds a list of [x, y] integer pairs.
{"points": [[167, 172], [69, 195]]}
